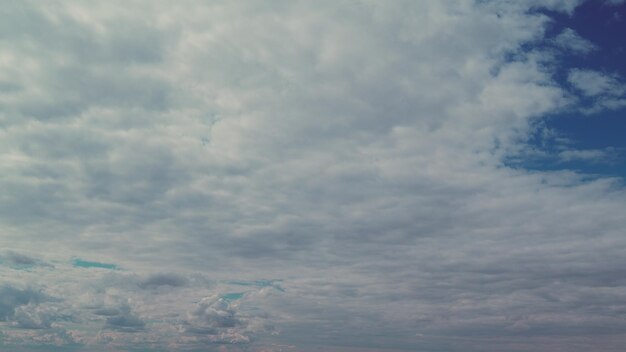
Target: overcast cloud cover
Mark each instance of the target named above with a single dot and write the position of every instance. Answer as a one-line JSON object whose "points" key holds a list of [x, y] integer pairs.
{"points": [[301, 176]]}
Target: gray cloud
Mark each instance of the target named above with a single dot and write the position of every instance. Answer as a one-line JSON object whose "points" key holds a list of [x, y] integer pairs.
{"points": [[17, 260], [217, 320], [212, 313], [32, 316], [13, 298], [123, 319], [163, 279]]}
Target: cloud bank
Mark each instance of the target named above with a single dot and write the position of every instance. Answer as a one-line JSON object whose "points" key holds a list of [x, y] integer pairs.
{"points": [[297, 175]]}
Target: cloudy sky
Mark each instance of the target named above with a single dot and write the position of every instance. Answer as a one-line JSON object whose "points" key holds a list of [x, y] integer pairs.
{"points": [[299, 176]]}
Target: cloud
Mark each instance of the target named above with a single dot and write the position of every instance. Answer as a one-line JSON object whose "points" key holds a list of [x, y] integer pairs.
{"points": [[35, 316], [13, 297], [28, 308], [593, 83], [163, 279], [213, 313], [295, 174], [123, 319], [592, 155], [219, 320], [17, 260], [606, 91], [568, 39]]}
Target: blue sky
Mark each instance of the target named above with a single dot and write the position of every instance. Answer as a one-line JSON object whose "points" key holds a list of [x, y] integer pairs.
{"points": [[296, 176], [602, 25]]}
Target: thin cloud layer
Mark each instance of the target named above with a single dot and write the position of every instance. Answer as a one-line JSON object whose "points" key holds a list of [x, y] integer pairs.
{"points": [[292, 175]]}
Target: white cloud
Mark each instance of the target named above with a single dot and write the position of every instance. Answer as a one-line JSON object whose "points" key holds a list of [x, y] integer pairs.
{"points": [[592, 155], [570, 40], [593, 83], [606, 90]]}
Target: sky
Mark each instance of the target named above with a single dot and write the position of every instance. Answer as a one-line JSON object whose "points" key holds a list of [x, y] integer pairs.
{"points": [[300, 176]]}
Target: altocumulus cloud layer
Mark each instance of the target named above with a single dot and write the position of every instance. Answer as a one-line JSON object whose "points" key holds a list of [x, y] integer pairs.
{"points": [[288, 176]]}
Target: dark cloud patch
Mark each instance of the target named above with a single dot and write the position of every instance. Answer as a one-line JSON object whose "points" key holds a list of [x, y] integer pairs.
{"points": [[12, 298], [107, 312], [18, 260], [124, 320], [163, 279]]}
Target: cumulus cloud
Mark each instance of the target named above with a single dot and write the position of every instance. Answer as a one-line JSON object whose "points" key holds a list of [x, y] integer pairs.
{"points": [[13, 298], [35, 316], [29, 308], [219, 320], [123, 319], [215, 316]]}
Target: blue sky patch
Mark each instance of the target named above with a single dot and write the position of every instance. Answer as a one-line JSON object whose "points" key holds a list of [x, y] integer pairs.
{"points": [[79, 263], [258, 283], [589, 137], [233, 296]]}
